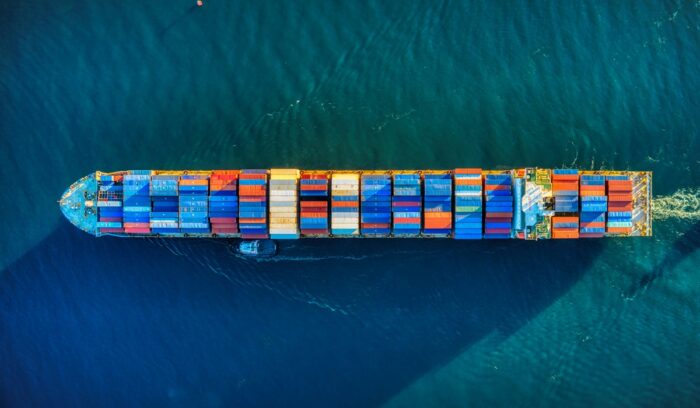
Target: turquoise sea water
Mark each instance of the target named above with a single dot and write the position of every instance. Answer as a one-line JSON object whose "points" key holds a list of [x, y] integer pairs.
{"points": [[365, 84]]}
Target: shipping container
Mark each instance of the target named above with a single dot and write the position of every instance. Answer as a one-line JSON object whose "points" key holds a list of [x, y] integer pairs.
{"points": [[345, 203], [284, 202], [499, 204], [468, 203], [253, 204]]}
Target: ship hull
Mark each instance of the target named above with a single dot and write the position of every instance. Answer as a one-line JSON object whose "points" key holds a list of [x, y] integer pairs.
{"points": [[469, 204]]}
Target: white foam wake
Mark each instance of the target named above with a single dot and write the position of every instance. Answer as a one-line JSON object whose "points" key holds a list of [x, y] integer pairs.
{"points": [[684, 204]]}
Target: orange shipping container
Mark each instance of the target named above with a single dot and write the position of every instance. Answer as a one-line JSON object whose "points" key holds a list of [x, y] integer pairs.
{"points": [[619, 197], [185, 182], [564, 177], [468, 182], [438, 224], [346, 203], [565, 186], [252, 220], [620, 230], [468, 171], [559, 234], [564, 219], [437, 215]]}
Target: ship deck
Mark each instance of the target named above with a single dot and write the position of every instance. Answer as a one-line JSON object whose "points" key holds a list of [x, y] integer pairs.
{"points": [[79, 202]]}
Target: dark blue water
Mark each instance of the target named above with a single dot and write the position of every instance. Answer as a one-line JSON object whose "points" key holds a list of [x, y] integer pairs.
{"points": [[427, 84]]}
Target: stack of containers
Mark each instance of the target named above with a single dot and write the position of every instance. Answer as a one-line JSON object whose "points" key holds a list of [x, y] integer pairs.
{"points": [[283, 204], [376, 204], [110, 213], [437, 204], [565, 187], [164, 202], [345, 204], [252, 204], [194, 204], [406, 204], [223, 202], [137, 203], [314, 203], [498, 191], [564, 227], [619, 205], [468, 205], [594, 204]]}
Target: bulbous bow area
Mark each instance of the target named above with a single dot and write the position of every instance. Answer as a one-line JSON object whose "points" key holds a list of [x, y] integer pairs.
{"points": [[79, 204]]}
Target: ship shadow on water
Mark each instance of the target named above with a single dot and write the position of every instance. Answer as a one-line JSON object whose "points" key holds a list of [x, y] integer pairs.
{"points": [[327, 323], [681, 248]]}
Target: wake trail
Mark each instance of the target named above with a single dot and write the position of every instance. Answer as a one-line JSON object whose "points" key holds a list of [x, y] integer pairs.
{"points": [[684, 204], [245, 274]]}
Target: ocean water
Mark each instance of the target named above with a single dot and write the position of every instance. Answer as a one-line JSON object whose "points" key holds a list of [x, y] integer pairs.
{"points": [[362, 84]]}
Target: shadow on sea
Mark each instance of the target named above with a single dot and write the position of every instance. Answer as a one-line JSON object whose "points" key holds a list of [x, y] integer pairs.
{"points": [[681, 248], [328, 323]]}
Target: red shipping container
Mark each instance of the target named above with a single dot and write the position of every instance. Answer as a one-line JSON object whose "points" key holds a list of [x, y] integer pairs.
{"points": [[137, 230], [314, 231], [591, 235], [111, 230], [497, 231], [224, 230], [314, 187], [223, 188], [508, 215], [251, 199], [627, 207], [254, 236], [223, 220], [407, 220], [136, 225], [492, 187], [374, 225], [406, 204]]}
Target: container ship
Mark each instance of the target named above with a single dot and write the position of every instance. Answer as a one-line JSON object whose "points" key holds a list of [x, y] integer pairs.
{"points": [[467, 203]]}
